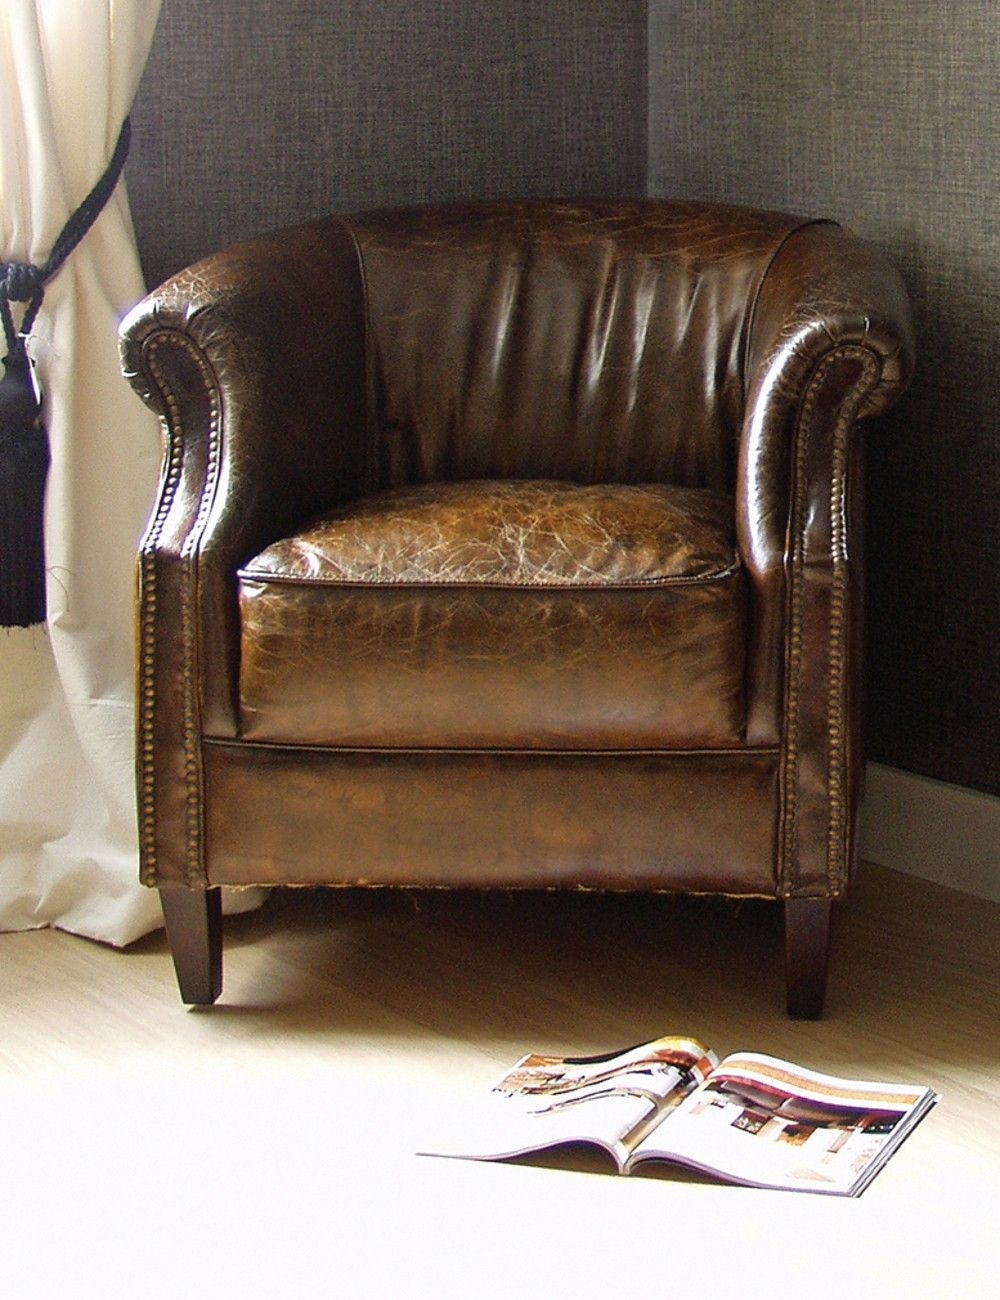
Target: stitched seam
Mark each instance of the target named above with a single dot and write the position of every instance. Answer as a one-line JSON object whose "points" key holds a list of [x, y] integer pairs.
{"points": [[369, 470], [719, 751], [596, 584], [194, 868], [751, 316]]}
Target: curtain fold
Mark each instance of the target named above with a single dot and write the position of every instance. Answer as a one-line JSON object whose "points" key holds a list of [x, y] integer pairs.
{"points": [[69, 70]]}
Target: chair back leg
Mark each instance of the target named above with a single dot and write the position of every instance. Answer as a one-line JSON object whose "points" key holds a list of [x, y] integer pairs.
{"points": [[807, 948]]}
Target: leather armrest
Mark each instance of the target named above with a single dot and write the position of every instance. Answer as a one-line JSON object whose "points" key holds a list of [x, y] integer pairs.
{"points": [[826, 297], [830, 344], [254, 359]]}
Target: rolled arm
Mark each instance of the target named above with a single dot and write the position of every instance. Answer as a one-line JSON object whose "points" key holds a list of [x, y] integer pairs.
{"points": [[830, 344], [267, 338], [254, 359], [828, 299]]}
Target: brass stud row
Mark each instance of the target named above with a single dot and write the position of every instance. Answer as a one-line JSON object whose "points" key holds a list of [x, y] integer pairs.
{"points": [[171, 420], [837, 627]]}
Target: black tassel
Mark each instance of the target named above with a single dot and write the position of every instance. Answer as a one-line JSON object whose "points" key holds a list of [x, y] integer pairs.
{"points": [[24, 445], [24, 466]]}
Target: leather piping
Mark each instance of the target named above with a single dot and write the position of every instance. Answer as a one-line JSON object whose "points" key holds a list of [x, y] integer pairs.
{"points": [[751, 316], [668, 580], [736, 751]]}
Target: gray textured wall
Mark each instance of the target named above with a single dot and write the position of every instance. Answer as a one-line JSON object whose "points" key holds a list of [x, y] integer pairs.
{"points": [[254, 113], [887, 116]]}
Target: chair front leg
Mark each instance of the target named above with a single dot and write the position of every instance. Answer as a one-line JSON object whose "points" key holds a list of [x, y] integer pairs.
{"points": [[194, 931]]}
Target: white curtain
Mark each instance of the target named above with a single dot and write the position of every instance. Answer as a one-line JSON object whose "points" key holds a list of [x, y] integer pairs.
{"points": [[69, 70]]}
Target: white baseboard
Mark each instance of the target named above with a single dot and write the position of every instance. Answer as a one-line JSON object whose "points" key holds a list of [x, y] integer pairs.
{"points": [[933, 830]]}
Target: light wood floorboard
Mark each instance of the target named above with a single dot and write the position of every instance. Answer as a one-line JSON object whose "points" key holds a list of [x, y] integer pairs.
{"points": [[265, 1147]]}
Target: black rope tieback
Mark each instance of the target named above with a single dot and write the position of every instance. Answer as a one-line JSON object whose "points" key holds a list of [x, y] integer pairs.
{"points": [[24, 445]]}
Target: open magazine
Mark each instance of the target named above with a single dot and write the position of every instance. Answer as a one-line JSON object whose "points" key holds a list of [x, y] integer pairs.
{"points": [[748, 1119]]}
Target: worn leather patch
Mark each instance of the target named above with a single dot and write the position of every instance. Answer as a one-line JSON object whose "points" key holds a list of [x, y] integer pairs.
{"points": [[511, 534], [510, 615]]}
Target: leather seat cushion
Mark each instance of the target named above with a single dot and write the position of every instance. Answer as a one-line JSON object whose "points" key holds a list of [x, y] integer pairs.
{"points": [[513, 615]]}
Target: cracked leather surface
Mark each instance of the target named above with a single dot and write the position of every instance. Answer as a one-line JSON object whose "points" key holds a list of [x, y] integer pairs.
{"points": [[519, 615], [513, 533]]}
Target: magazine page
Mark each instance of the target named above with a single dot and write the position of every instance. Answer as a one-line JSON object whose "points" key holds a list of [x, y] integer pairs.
{"points": [[767, 1123], [609, 1101]]}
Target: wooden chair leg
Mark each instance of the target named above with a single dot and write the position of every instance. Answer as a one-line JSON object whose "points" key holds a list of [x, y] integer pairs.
{"points": [[194, 932], [807, 948]]}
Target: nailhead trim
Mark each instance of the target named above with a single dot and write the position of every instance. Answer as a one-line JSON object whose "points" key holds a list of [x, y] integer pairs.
{"points": [[194, 865], [838, 604]]}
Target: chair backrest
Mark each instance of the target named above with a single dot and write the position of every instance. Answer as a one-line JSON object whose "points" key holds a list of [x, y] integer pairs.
{"points": [[597, 341]]}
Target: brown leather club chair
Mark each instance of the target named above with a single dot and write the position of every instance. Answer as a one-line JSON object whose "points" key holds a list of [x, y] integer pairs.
{"points": [[512, 544]]}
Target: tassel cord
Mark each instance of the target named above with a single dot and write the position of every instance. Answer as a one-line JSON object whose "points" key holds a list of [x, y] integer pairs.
{"points": [[23, 282]]}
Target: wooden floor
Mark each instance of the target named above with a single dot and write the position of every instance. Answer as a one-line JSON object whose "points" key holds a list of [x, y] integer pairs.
{"points": [[265, 1147]]}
